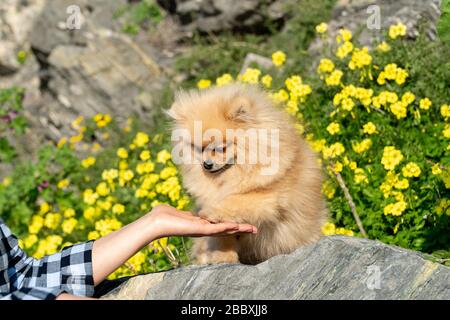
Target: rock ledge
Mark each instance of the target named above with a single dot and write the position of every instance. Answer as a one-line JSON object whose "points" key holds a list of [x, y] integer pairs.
{"points": [[334, 268]]}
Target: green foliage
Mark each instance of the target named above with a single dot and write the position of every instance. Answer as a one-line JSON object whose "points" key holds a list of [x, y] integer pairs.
{"points": [[11, 121], [444, 22], [60, 199], [140, 16]]}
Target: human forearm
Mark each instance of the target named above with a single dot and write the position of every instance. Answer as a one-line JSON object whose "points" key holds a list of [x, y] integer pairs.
{"points": [[114, 249]]}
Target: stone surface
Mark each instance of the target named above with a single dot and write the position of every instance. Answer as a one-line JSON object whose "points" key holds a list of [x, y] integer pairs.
{"points": [[357, 16], [334, 268], [94, 68], [218, 15]]}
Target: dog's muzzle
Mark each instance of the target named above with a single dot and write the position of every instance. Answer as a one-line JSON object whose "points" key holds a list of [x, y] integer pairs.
{"points": [[210, 167]]}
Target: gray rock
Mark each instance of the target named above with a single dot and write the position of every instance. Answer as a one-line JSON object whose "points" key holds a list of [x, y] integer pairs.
{"points": [[334, 268], [220, 15], [16, 23]]}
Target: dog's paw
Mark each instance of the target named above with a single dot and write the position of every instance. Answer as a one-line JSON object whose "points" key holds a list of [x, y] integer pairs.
{"points": [[214, 216], [215, 257]]}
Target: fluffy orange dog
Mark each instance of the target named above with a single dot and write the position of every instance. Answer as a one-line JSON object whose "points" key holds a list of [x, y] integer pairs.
{"points": [[279, 193]]}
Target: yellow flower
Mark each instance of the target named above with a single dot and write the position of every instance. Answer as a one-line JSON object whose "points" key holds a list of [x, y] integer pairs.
{"points": [[329, 229], [203, 84], [163, 156], [333, 151], [88, 162], [408, 98], [118, 208], [345, 34], [37, 222], [7, 181], [267, 81], [141, 139], [325, 66], [141, 193], [93, 235], [122, 153], [347, 104], [292, 107], [411, 170], [69, 225], [251, 75], [399, 110], [344, 50], [363, 146], [90, 213], [446, 132], [445, 111], [353, 165], [63, 184], [369, 128], [44, 208], [280, 96], [322, 27], [123, 165], [333, 128], [224, 79], [168, 172], [126, 175], [425, 103], [145, 155], [318, 145], [328, 189], [334, 79], [338, 167], [397, 30], [401, 184], [392, 72], [396, 209], [107, 225], [52, 220], [344, 231], [278, 58], [102, 189], [90, 197], [110, 175], [69, 213], [436, 170], [391, 158], [62, 142], [360, 176], [383, 47], [30, 241], [360, 59]]}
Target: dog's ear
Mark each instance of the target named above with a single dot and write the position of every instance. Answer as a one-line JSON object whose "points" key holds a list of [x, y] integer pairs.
{"points": [[173, 113], [241, 110], [176, 111]]}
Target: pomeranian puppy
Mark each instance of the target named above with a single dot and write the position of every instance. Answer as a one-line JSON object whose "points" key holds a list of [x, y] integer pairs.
{"points": [[243, 160]]}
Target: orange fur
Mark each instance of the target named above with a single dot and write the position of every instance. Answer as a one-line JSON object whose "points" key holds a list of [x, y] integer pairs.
{"points": [[287, 207]]}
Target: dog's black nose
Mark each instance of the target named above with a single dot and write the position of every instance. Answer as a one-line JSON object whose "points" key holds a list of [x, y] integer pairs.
{"points": [[208, 164]]}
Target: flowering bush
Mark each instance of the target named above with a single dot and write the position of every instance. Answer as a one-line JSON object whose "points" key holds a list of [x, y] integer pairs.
{"points": [[62, 199]]}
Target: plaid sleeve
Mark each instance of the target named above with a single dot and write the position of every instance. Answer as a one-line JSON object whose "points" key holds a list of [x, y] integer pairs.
{"points": [[24, 277]]}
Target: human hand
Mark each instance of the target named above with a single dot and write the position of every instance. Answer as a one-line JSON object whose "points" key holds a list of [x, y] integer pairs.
{"points": [[172, 222]]}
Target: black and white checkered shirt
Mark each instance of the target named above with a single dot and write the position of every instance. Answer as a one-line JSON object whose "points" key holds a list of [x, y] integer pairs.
{"points": [[23, 277]]}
